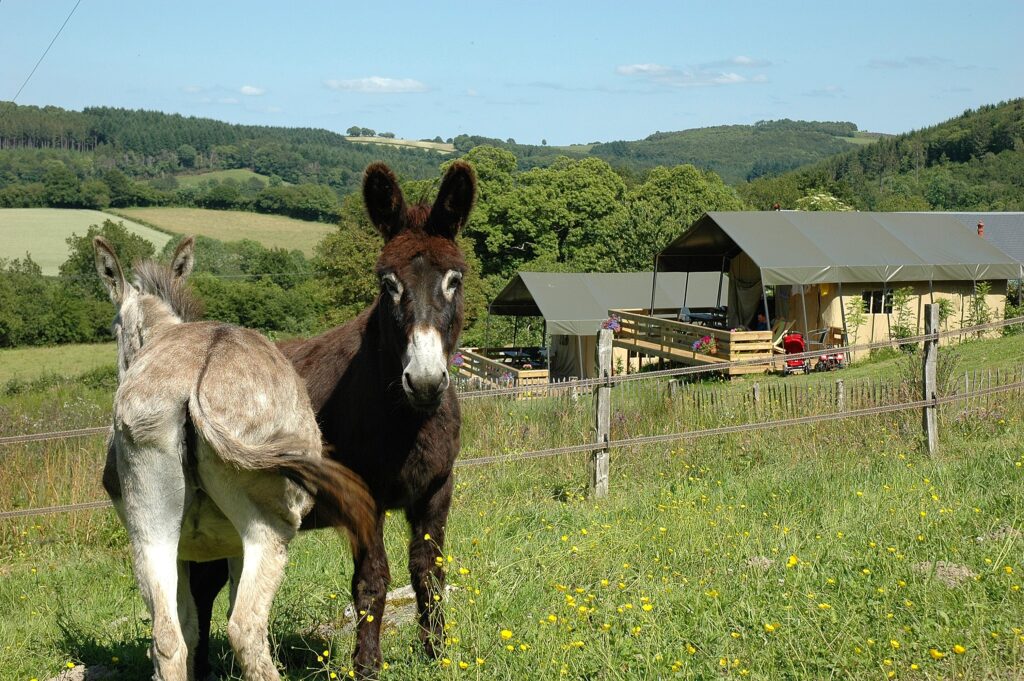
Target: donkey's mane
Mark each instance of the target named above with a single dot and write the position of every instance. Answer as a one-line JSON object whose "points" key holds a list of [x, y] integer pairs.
{"points": [[159, 280]]}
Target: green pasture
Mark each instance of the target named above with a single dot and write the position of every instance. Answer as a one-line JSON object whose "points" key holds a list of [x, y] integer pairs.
{"points": [[273, 231], [835, 550], [42, 232], [30, 363]]}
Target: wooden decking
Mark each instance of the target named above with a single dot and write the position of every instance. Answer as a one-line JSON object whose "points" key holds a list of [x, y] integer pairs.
{"points": [[486, 371], [657, 336]]}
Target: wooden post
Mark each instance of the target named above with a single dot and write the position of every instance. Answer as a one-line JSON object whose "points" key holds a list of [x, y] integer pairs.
{"points": [[840, 395], [757, 399], [930, 362], [602, 416]]}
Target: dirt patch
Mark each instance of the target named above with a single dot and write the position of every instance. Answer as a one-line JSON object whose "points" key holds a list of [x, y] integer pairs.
{"points": [[762, 563], [1003, 533], [400, 609], [949, 574], [80, 673]]}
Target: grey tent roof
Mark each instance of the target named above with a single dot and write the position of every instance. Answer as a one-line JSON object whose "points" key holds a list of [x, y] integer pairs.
{"points": [[576, 304], [793, 247], [1004, 230]]}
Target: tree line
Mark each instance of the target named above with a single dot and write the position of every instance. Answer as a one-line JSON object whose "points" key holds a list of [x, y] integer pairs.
{"points": [[576, 215]]}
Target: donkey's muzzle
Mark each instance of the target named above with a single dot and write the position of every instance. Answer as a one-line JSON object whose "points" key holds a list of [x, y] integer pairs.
{"points": [[426, 389]]}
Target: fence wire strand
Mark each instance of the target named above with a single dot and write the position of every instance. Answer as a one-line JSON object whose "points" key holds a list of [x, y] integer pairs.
{"points": [[635, 441]]}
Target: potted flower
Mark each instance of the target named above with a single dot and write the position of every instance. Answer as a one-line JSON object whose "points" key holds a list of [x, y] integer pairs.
{"points": [[457, 361], [613, 323], [706, 345]]}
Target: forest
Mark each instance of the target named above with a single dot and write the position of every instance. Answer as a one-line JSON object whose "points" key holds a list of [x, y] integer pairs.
{"points": [[972, 162]]}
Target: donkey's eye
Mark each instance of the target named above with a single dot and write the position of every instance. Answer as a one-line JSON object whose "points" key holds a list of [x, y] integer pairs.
{"points": [[455, 281], [389, 283], [451, 283]]}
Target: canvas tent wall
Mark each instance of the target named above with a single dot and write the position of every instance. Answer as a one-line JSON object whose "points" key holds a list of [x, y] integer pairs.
{"points": [[804, 253], [574, 305]]}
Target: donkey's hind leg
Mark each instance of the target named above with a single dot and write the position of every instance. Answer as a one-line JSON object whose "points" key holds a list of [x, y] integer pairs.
{"points": [[187, 616], [265, 527], [153, 487]]}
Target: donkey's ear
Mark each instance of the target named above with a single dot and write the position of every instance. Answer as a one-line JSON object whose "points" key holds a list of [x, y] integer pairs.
{"points": [[109, 269], [384, 201], [454, 201], [184, 258]]}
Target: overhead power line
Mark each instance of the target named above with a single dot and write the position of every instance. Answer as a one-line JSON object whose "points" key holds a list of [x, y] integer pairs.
{"points": [[46, 51]]}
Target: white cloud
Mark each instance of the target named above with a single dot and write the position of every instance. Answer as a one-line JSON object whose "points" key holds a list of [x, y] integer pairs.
{"points": [[192, 89], [828, 91], [710, 73], [642, 70], [251, 90], [377, 84], [228, 100], [471, 92]]}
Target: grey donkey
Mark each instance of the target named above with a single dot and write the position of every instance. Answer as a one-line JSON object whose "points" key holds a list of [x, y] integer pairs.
{"points": [[214, 453]]}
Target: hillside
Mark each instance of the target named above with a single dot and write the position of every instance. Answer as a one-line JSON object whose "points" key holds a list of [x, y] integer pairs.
{"points": [[972, 162], [147, 144], [736, 152], [150, 144], [42, 232]]}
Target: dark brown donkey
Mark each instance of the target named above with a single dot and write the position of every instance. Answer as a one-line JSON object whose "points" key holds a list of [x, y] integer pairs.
{"points": [[384, 401]]}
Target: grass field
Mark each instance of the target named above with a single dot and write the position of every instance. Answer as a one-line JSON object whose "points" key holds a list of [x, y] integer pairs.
{"points": [[441, 147], [231, 225], [26, 364], [240, 175], [42, 232], [834, 550]]}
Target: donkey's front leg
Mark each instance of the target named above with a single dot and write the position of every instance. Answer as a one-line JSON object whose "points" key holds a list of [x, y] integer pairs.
{"points": [[428, 519], [369, 590]]}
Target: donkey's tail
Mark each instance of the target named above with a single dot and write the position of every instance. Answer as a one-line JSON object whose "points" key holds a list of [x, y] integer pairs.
{"points": [[341, 496]]}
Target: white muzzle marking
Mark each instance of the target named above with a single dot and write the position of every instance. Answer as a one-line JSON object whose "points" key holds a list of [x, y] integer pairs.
{"points": [[425, 372]]}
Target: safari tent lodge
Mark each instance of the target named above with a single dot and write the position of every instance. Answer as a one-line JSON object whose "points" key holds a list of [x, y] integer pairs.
{"points": [[803, 271]]}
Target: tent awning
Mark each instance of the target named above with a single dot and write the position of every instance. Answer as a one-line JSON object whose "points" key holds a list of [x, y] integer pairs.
{"points": [[576, 304], [792, 247]]}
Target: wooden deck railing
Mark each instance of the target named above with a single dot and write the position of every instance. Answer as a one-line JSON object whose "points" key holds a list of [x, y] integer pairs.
{"points": [[493, 373], [654, 335]]}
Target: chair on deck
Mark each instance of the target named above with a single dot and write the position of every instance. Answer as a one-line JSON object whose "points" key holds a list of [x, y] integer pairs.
{"points": [[780, 327]]}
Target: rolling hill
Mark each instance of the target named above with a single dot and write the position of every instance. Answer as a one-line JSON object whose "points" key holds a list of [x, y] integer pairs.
{"points": [[150, 145], [972, 162]]}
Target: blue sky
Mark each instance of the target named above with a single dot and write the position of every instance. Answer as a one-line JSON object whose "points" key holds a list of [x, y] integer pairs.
{"points": [[562, 71]]}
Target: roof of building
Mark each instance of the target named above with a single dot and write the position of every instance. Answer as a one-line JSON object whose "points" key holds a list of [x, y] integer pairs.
{"points": [[576, 304], [1004, 230], [794, 247]]}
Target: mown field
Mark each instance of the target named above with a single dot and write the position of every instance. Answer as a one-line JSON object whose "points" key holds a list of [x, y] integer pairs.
{"points": [[440, 147], [42, 233], [273, 231], [836, 550]]}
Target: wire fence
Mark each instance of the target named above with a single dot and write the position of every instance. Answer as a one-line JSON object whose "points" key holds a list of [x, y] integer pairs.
{"points": [[640, 440], [709, 409]]}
